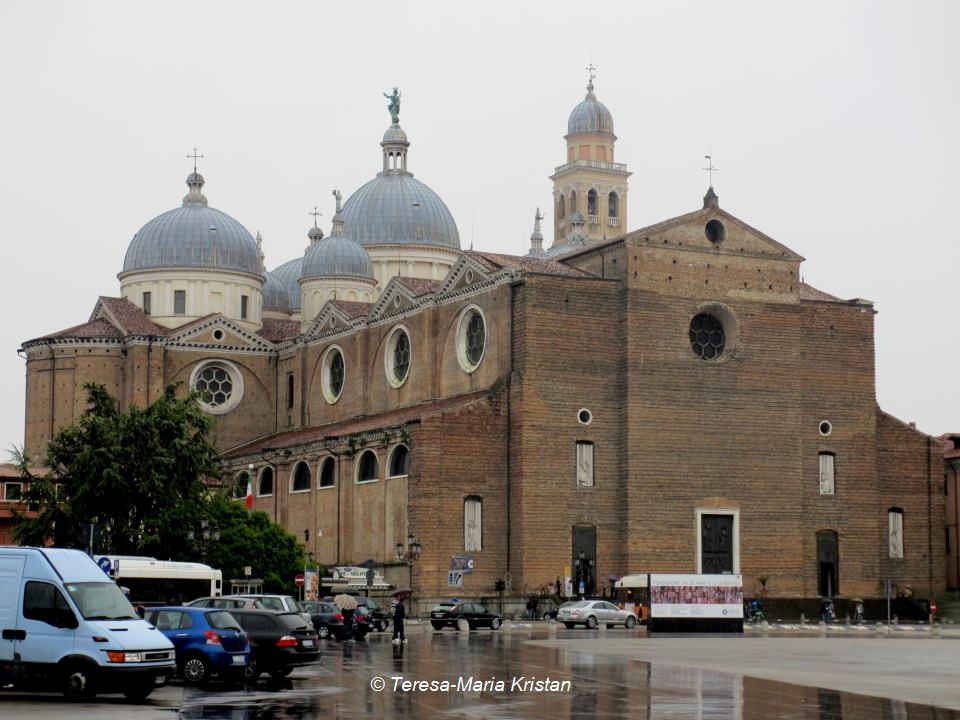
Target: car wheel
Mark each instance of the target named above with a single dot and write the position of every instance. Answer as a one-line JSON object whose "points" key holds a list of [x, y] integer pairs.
{"points": [[436, 625], [138, 692], [253, 669], [631, 622], [569, 625], [545, 616], [323, 631], [281, 672], [195, 670], [495, 624], [380, 626], [462, 625], [591, 623], [76, 681]]}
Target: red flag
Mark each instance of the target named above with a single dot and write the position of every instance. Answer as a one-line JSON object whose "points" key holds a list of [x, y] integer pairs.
{"points": [[249, 500]]}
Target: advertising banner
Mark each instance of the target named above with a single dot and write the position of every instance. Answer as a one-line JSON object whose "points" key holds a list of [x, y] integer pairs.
{"points": [[683, 596]]}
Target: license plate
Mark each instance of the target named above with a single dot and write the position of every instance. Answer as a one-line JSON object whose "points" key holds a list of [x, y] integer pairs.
{"points": [[308, 643], [160, 680], [239, 659]]}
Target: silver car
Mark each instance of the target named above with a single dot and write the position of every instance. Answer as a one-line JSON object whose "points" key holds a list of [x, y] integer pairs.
{"points": [[591, 613]]}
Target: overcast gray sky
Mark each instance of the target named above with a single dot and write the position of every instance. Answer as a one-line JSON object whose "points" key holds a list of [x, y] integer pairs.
{"points": [[833, 125]]}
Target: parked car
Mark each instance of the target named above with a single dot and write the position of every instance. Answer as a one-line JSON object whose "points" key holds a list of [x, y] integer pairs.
{"points": [[370, 608], [552, 614], [227, 602], [591, 613], [327, 619], [279, 641], [208, 642], [281, 603], [465, 615]]}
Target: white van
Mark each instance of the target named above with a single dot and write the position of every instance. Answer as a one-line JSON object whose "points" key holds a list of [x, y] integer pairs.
{"points": [[63, 621]]}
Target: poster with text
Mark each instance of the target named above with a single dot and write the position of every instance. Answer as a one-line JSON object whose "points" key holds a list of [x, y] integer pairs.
{"points": [[696, 596]]}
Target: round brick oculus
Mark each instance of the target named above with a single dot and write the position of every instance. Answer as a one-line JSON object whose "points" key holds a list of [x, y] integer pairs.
{"points": [[707, 336]]}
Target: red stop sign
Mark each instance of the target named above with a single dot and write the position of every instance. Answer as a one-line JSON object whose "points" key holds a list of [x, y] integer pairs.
{"points": [[933, 607], [299, 580]]}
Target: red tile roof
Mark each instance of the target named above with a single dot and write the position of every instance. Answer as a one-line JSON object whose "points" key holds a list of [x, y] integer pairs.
{"points": [[420, 286], [133, 321], [92, 329], [528, 263], [808, 292], [9, 470], [353, 426], [353, 309], [276, 330]]}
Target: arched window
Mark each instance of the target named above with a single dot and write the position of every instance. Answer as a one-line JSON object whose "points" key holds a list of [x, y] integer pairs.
{"points": [[895, 532], [399, 461], [573, 201], [472, 524], [327, 477], [301, 478], [239, 490], [592, 203], [368, 468], [613, 205], [561, 208], [265, 485]]}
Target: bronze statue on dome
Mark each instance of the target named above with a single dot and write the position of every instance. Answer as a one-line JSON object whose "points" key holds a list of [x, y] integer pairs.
{"points": [[394, 106]]}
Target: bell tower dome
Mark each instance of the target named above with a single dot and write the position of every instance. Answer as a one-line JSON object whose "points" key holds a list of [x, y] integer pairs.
{"points": [[590, 182]]}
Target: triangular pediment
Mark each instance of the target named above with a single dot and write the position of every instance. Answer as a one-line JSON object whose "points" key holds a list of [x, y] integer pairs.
{"points": [[398, 299], [466, 273], [712, 230], [216, 332], [333, 319]]}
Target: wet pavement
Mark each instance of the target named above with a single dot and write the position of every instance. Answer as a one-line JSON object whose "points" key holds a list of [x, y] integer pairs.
{"points": [[529, 672]]}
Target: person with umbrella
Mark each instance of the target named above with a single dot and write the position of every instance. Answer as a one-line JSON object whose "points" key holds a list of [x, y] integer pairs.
{"points": [[398, 614], [347, 604]]}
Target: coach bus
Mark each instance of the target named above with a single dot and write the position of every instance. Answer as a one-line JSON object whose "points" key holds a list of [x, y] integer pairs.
{"points": [[149, 581]]}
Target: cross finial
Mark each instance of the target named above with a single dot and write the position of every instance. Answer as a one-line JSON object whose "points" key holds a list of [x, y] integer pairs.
{"points": [[315, 215], [710, 168], [194, 156], [590, 69]]}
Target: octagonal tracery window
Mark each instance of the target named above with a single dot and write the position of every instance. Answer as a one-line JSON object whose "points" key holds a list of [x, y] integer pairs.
{"points": [[706, 336], [219, 386]]}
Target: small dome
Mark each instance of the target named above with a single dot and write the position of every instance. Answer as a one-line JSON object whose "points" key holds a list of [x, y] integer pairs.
{"points": [[288, 275], [274, 294], [395, 134], [193, 235], [590, 116], [396, 209], [336, 256], [315, 234]]}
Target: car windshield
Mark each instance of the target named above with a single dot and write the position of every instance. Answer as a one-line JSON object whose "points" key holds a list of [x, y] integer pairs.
{"points": [[370, 603], [222, 620], [577, 604], [101, 601], [292, 621]]}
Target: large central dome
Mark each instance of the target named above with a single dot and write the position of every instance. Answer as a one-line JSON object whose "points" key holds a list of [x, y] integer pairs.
{"points": [[395, 208]]}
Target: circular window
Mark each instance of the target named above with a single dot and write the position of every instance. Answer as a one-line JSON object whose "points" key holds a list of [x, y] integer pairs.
{"points": [[715, 231], [706, 336], [219, 386], [332, 374], [218, 334], [396, 359], [468, 276], [471, 338], [825, 428], [584, 416]]}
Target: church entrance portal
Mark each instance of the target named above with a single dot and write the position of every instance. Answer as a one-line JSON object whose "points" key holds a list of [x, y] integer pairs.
{"points": [[716, 543], [828, 564], [584, 560]]}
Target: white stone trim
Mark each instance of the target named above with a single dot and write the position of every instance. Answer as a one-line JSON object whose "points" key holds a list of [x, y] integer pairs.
{"points": [[325, 364], [389, 347], [699, 512], [463, 322], [236, 378]]}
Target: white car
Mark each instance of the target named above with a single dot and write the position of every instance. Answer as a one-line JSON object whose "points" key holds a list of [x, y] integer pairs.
{"points": [[591, 613], [280, 603]]}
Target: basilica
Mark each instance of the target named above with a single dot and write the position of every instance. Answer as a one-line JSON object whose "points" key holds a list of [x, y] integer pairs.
{"points": [[669, 398]]}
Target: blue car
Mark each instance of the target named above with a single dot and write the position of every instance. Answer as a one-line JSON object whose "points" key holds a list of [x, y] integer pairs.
{"points": [[208, 641]]}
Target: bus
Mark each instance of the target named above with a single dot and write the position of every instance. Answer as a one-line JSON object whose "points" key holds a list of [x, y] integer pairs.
{"points": [[148, 581], [632, 593]]}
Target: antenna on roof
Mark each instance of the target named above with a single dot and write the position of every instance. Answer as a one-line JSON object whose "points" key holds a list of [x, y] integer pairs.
{"points": [[710, 168]]}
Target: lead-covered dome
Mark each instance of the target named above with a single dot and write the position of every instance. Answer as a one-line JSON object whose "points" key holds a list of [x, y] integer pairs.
{"points": [[288, 275], [193, 235], [274, 294], [397, 209], [336, 255], [590, 116]]}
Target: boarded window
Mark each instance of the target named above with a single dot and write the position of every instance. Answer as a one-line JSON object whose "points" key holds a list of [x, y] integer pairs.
{"points": [[895, 532], [584, 464], [472, 524], [179, 302], [826, 473], [147, 303]]}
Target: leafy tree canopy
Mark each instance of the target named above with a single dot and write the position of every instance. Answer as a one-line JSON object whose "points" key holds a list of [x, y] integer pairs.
{"points": [[139, 475]]}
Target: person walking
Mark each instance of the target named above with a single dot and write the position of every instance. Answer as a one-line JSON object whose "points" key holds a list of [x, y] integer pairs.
{"points": [[398, 614], [348, 625]]}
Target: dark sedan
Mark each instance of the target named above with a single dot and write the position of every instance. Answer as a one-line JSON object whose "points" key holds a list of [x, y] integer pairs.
{"points": [[464, 616], [279, 641], [327, 618]]}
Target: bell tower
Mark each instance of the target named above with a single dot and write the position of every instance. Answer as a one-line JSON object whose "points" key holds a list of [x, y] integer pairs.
{"points": [[590, 182]]}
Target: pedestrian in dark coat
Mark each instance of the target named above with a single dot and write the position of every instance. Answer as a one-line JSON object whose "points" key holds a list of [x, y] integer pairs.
{"points": [[398, 614]]}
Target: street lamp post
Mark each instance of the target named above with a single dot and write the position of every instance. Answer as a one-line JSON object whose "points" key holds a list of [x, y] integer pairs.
{"points": [[411, 553], [207, 533]]}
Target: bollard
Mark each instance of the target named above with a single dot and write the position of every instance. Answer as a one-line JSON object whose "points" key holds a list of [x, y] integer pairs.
{"points": [[896, 620], [880, 632], [937, 630], [602, 629], [823, 629], [764, 628], [847, 618], [552, 628], [803, 620], [507, 627]]}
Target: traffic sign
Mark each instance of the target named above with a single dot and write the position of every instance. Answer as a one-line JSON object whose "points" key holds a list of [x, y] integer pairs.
{"points": [[299, 580], [455, 578], [105, 564]]}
